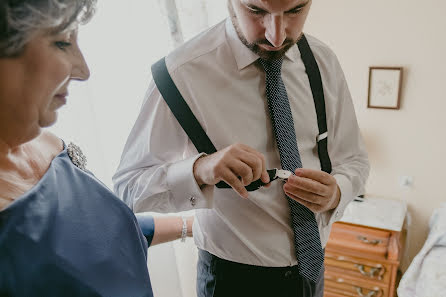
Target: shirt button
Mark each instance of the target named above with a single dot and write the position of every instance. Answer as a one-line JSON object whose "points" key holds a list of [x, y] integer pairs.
{"points": [[193, 200]]}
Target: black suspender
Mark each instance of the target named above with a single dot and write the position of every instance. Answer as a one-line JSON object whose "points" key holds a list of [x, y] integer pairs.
{"points": [[319, 101], [198, 136], [183, 114], [180, 109]]}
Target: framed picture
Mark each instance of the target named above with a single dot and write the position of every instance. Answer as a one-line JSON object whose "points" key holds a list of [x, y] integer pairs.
{"points": [[384, 87]]}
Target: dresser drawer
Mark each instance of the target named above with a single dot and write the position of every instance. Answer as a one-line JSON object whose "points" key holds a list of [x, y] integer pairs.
{"points": [[361, 240], [331, 294], [351, 287], [358, 267]]}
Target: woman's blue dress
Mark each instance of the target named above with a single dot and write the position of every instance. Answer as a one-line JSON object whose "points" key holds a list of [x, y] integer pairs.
{"points": [[71, 236]]}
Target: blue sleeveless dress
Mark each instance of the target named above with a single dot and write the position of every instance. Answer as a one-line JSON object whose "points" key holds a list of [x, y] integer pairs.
{"points": [[71, 236]]}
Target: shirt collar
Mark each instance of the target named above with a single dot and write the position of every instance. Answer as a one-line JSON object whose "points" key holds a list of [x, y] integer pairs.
{"points": [[243, 55]]}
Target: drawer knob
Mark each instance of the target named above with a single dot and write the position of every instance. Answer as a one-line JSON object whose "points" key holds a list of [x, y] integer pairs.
{"points": [[370, 294], [365, 240], [372, 271]]}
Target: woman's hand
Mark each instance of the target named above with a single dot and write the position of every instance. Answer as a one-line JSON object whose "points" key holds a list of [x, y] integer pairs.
{"points": [[169, 228], [189, 223]]}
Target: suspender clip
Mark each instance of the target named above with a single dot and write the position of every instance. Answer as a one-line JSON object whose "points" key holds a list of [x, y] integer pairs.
{"points": [[321, 136], [282, 174]]}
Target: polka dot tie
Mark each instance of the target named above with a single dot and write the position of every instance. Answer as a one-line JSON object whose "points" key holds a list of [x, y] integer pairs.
{"points": [[307, 241]]}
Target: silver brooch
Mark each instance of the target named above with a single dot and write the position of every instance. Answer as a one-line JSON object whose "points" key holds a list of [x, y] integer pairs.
{"points": [[76, 156]]}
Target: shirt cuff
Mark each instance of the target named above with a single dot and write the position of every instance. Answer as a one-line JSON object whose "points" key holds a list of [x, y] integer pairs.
{"points": [[184, 188], [345, 187]]}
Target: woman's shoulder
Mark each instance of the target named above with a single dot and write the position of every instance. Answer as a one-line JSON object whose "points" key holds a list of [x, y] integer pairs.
{"points": [[50, 143], [19, 177]]}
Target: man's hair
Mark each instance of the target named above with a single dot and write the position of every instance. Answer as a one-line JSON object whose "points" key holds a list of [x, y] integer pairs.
{"points": [[20, 19]]}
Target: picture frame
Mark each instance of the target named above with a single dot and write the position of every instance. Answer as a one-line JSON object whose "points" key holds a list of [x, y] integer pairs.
{"points": [[384, 87]]}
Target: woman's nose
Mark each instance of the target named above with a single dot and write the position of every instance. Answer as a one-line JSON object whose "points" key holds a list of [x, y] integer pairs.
{"points": [[80, 70]]}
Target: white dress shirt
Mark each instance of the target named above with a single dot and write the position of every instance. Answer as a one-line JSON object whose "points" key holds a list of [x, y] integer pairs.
{"points": [[224, 86]]}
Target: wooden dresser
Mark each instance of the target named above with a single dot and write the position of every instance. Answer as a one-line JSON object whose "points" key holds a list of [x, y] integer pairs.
{"points": [[364, 250]]}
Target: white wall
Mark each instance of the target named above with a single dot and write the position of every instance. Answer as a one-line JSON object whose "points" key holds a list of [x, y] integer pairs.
{"points": [[409, 141]]}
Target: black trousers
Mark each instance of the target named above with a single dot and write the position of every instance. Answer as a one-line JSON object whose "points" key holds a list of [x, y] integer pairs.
{"points": [[217, 277]]}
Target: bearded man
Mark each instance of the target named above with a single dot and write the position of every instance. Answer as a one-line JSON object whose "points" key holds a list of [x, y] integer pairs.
{"points": [[267, 96]]}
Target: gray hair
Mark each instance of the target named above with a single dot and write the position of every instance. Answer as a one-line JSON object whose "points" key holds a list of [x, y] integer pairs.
{"points": [[20, 19]]}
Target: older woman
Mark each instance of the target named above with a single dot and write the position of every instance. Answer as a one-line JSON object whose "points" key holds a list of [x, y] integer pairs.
{"points": [[62, 233]]}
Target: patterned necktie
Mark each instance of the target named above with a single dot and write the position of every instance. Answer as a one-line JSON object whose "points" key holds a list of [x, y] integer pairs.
{"points": [[307, 241]]}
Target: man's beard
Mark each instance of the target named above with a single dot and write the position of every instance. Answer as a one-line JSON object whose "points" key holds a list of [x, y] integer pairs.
{"points": [[254, 46]]}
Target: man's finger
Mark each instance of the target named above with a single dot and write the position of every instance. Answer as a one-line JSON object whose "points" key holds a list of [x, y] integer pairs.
{"points": [[231, 179], [304, 195], [311, 206], [243, 171], [254, 162], [264, 175], [308, 185], [318, 175]]}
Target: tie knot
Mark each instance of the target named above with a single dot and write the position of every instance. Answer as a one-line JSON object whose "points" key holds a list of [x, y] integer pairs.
{"points": [[272, 66]]}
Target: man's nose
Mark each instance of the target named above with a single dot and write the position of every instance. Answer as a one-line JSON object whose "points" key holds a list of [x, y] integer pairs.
{"points": [[275, 30]]}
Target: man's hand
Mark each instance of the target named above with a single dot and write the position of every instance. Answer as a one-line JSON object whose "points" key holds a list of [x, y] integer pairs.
{"points": [[238, 165], [315, 189]]}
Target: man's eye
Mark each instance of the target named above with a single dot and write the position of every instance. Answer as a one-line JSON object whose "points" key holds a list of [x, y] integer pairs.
{"points": [[295, 11], [62, 44], [256, 11]]}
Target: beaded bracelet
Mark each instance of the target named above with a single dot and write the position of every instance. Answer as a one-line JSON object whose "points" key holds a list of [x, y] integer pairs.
{"points": [[184, 230]]}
